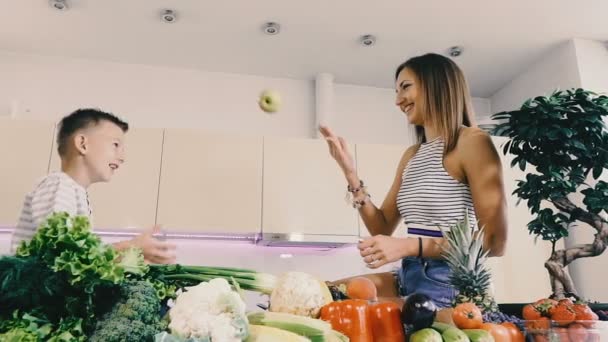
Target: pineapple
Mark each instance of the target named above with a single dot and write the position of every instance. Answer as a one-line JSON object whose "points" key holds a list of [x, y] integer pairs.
{"points": [[466, 257]]}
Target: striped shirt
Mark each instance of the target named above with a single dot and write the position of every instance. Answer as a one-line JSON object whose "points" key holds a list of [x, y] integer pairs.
{"points": [[54, 193], [429, 197]]}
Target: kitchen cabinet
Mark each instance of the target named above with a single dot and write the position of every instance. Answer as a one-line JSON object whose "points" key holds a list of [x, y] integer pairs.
{"points": [[304, 191], [25, 147], [210, 183]]}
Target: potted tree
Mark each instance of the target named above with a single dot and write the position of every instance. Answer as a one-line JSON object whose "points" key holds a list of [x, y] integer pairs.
{"points": [[564, 137]]}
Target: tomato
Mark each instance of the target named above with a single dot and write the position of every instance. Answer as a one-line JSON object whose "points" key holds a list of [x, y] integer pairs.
{"points": [[541, 324], [514, 332], [530, 313], [545, 305], [562, 315], [467, 316], [584, 315], [500, 333]]}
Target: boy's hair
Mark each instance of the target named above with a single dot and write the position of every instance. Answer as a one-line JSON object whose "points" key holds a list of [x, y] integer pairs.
{"points": [[80, 119]]}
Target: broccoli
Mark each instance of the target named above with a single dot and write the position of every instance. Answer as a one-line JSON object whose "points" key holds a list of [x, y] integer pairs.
{"points": [[135, 316]]}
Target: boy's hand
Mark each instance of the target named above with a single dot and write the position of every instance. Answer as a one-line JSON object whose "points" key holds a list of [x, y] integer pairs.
{"points": [[155, 251]]}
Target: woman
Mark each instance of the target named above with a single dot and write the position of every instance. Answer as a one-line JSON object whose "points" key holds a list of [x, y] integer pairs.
{"points": [[453, 169]]}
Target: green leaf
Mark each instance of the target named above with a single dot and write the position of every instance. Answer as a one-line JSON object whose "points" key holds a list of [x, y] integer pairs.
{"points": [[578, 144], [515, 161], [597, 171], [505, 148], [522, 164]]}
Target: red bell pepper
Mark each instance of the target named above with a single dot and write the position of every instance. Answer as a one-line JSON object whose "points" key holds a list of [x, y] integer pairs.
{"points": [[363, 322]]}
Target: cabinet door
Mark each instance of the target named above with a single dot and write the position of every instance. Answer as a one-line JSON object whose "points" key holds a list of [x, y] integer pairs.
{"points": [[25, 147], [128, 201], [304, 190], [376, 166], [210, 183]]}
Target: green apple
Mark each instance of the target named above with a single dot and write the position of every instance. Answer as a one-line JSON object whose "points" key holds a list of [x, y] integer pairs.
{"points": [[270, 101]]}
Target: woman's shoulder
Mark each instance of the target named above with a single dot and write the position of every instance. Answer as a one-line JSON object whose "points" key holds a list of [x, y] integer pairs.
{"points": [[475, 144], [474, 138]]}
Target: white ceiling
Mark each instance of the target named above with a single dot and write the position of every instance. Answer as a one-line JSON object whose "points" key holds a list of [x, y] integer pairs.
{"points": [[500, 37]]}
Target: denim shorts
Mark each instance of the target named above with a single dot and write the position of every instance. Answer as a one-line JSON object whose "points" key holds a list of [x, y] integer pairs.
{"points": [[427, 276]]}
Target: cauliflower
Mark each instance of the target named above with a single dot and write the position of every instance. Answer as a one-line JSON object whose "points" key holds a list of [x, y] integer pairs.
{"points": [[209, 310], [300, 294]]}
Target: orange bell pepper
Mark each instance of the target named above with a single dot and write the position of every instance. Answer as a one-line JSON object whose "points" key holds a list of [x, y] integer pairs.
{"points": [[363, 322], [351, 318], [386, 322]]}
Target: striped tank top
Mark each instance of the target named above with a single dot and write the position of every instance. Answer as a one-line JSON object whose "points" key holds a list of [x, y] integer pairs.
{"points": [[429, 197]]}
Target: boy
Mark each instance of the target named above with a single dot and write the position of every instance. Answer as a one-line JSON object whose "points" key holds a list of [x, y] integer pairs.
{"points": [[90, 144]]}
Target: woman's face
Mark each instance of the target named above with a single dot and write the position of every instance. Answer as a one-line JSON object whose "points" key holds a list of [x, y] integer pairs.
{"points": [[408, 95]]}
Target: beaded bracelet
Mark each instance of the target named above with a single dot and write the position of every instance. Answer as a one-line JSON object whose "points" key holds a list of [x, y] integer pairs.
{"points": [[359, 203], [352, 192]]}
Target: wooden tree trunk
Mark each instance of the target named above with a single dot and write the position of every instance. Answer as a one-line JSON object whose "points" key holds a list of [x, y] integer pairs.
{"points": [[561, 282]]}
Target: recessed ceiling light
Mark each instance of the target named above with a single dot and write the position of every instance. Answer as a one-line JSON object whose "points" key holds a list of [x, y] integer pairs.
{"points": [[367, 40], [271, 28], [60, 5], [168, 16], [456, 51]]}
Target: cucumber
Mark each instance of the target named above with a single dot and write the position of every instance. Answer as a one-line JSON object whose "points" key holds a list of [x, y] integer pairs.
{"points": [[454, 334], [478, 335], [441, 327]]}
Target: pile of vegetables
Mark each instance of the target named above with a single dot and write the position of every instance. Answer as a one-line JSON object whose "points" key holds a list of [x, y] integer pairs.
{"points": [[58, 284], [66, 285]]}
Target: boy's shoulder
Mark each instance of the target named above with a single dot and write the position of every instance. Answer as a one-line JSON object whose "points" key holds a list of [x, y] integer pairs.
{"points": [[54, 179]]}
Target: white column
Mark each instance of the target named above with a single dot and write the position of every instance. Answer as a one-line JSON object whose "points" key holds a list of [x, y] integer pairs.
{"points": [[324, 100]]}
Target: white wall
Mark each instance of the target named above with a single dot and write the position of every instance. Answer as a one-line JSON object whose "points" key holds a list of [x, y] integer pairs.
{"points": [[558, 68], [575, 63], [592, 59], [593, 64], [50, 87]]}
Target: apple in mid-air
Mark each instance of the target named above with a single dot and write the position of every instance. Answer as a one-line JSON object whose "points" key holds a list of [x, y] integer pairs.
{"points": [[270, 101]]}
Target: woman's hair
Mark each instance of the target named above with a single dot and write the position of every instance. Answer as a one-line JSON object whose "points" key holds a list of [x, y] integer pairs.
{"points": [[446, 101]]}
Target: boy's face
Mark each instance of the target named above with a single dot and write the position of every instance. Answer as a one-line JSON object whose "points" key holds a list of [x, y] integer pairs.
{"points": [[104, 150]]}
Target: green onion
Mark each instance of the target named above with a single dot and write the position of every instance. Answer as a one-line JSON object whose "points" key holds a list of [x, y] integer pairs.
{"points": [[247, 279]]}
